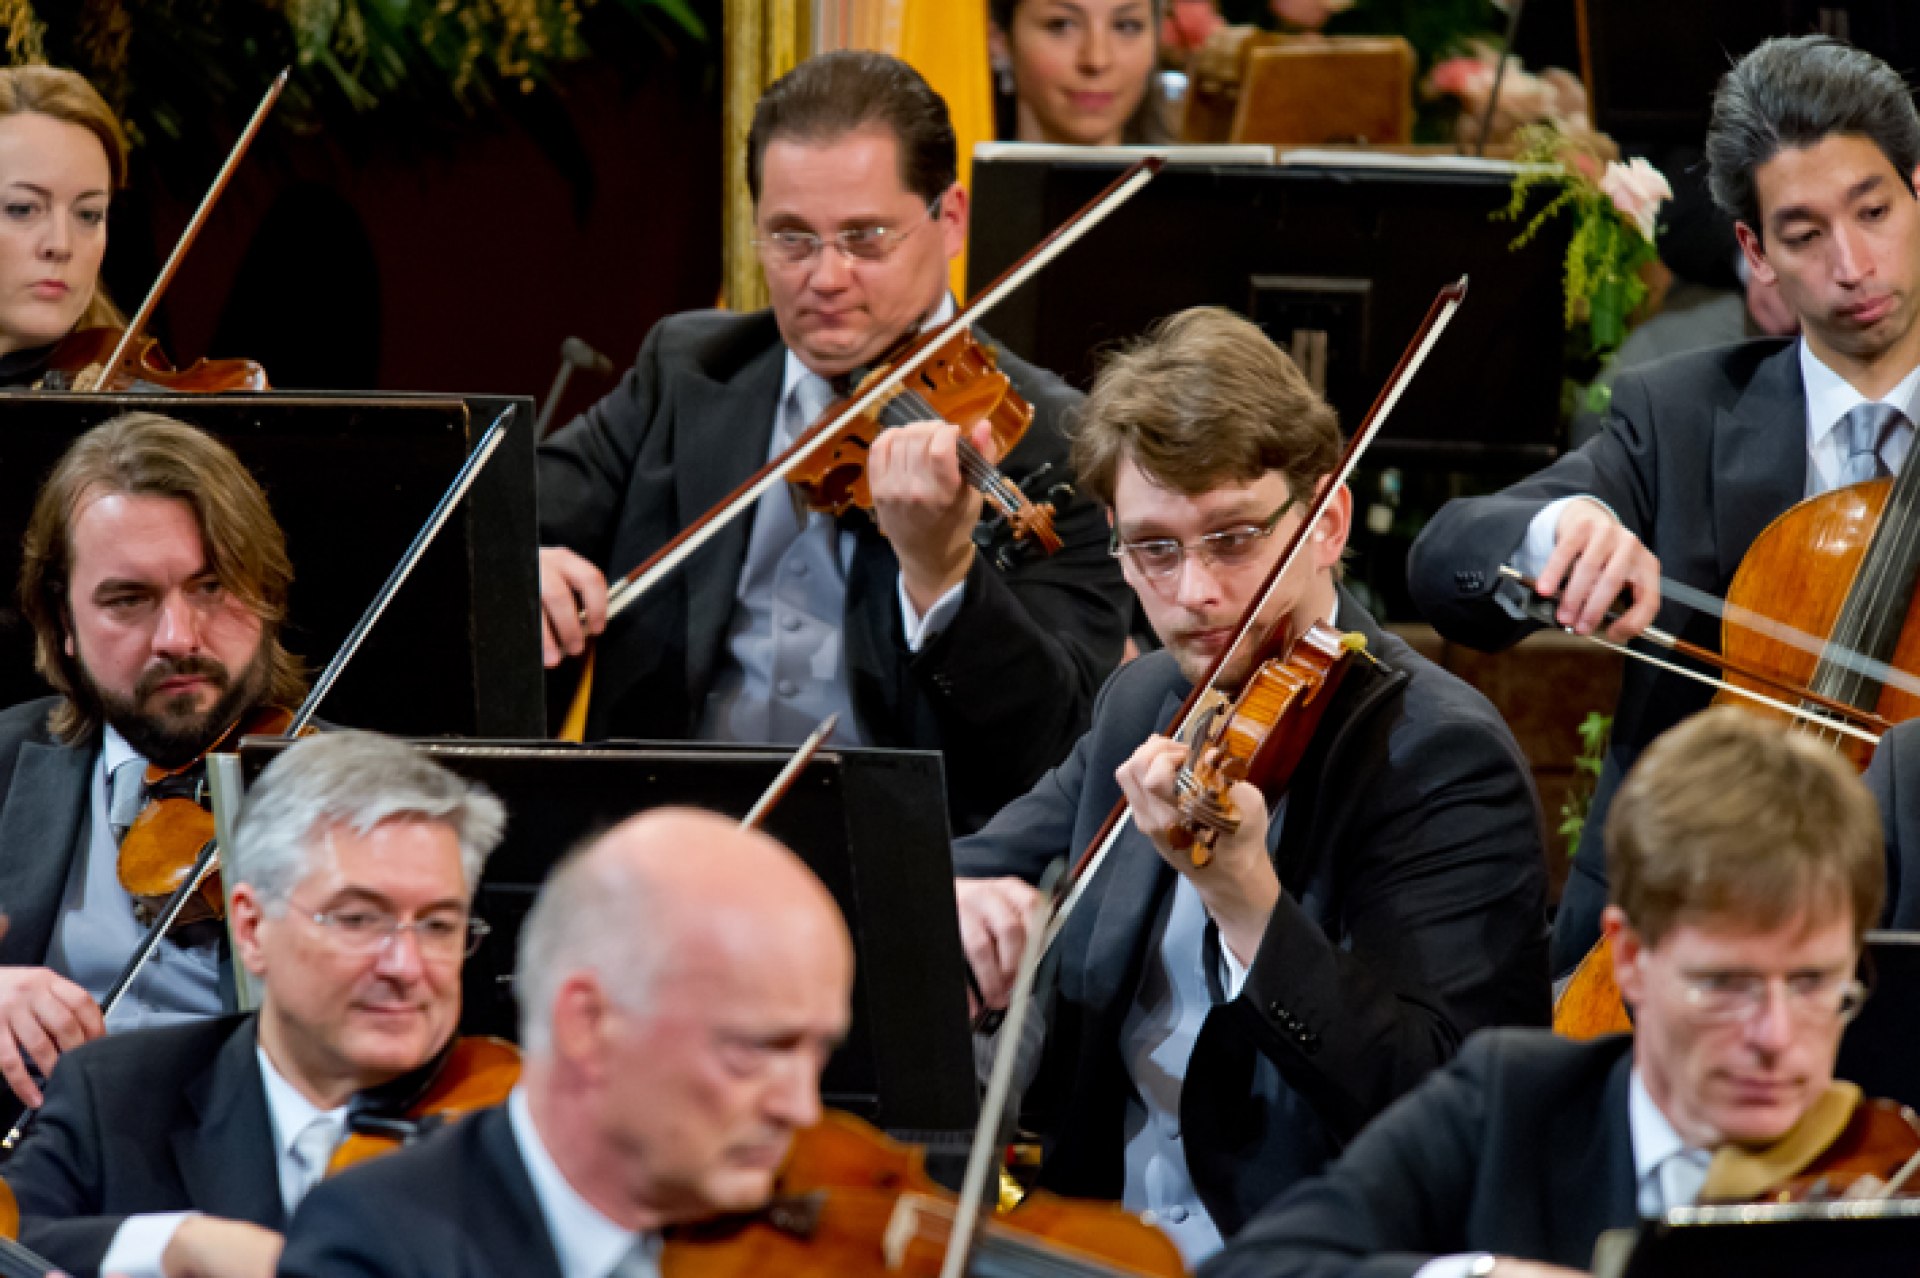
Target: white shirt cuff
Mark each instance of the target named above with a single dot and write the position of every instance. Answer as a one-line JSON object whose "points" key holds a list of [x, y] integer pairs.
{"points": [[140, 1242], [1233, 977], [1462, 1266], [919, 629], [1531, 555]]}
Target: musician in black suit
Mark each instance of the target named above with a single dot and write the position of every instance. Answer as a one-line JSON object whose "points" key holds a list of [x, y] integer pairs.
{"points": [[1815, 150], [918, 637], [155, 580], [179, 1151], [1218, 1032], [1745, 867], [675, 1012]]}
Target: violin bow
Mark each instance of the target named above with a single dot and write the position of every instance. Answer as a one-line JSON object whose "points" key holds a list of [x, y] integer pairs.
{"points": [[993, 1106], [662, 562], [783, 782], [1862, 725], [209, 856], [138, 323], [1439, 314]]}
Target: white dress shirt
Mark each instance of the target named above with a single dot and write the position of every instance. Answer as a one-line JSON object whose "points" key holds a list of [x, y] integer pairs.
{"points": [[587, 1243], [141, 1240]]}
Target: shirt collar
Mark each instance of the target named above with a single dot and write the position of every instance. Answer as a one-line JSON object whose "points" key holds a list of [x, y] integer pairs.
{"points": [[1654, 1139], [587, 1243], [1831, 397], [114, 749], [290, 1111], [796, 371]]}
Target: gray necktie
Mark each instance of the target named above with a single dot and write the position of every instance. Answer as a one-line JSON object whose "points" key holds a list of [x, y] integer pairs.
{"points": [[1681, 1175], [126, 795], [1864, 431], [311, 1150]]}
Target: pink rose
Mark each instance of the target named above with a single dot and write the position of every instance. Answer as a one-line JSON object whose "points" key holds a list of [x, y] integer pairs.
{"points": [[1638, 190], [1189, 22], [1465, 78], [1309, 15]]}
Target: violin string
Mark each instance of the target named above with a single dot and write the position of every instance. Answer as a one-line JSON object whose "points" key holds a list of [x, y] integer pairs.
{"points": [[1759, 623], [1875, 606], [980, 472]]}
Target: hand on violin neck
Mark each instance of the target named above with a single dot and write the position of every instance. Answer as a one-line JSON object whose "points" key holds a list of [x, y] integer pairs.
{"points": [[1238, 884], [42, 1014], [1594, 559], [213, 1247], [924, 505]]}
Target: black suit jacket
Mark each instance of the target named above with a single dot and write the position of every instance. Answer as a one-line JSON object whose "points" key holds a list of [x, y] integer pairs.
{"points": [[1894, 778], [456, 1205], [172, 1118], [1699, 453], [1521, 1147], [1003, 691], [1413, 912], [44, 824]]}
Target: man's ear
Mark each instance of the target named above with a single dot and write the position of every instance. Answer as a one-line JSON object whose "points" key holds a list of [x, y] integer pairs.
{"points": [[245, 913], [1626, 948], [1755, 253], [1330, 534]]}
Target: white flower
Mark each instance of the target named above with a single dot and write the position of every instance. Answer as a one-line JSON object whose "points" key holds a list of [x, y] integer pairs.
{"points": [[1638, 190]]}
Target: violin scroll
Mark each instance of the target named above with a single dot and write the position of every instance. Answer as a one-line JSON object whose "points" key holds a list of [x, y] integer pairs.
{"points": [[1261, 738]]}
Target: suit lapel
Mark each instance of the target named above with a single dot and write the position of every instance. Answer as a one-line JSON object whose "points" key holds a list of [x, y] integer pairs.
{"points": [[520, 1228], [1592, 1187], [40, 831], [227, 1158], [1129, 889], [1759, 456], [720, 438]]}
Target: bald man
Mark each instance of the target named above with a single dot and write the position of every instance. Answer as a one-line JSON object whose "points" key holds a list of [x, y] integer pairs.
{"points": [[681, 986]]}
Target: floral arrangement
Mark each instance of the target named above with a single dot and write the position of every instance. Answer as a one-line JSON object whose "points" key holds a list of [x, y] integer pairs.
{"points": [[1553, 96], [1614, 206]]}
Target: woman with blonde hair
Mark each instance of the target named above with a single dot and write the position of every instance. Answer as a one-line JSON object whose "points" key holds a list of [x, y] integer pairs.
{"points": [[63, 154]]}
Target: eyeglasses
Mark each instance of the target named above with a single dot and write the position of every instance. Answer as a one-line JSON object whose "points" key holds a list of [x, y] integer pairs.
{"points": [[1723, 998], [361, 931], [1159, 558], [857, 244]]}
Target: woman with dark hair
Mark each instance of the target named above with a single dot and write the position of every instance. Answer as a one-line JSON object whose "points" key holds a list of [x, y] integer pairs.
{"points": [[1083, 71], [62, 155]]}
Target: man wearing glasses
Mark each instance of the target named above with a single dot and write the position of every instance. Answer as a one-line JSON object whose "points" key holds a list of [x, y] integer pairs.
{"points": [[1217, 1032], [182, 1150], [1744, 866], [900, 623]]}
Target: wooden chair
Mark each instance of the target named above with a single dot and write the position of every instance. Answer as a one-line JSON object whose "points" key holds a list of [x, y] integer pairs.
{"points": [[1338, 90]]}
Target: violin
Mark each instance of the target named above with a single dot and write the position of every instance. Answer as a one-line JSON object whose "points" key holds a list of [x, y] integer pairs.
{"points": [[1261, 737], [109, 359], [163, 843], [17, 1261], [471, 1073], [79, 362], [851, 1202], [1844, 1146], [959, 381]]}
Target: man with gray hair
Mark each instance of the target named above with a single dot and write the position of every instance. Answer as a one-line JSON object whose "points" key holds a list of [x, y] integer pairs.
{"points": [[1814, 149], [181, 1151], [682, 984]]}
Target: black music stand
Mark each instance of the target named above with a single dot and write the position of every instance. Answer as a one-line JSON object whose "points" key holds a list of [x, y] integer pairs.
{"points": [[351, 478], [1863, 1239], [1340, 256], [871, 824]]}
